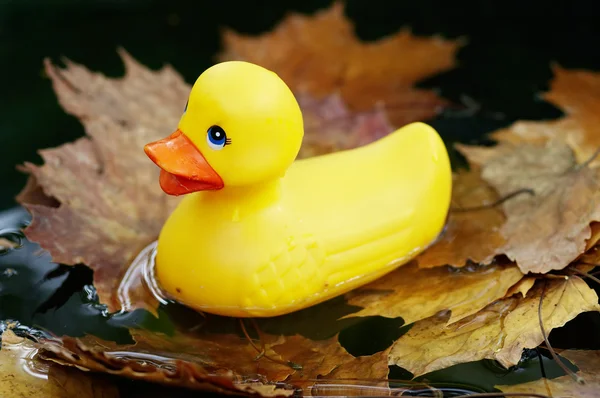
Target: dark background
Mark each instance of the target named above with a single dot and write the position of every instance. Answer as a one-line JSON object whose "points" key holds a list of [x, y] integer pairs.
{"points": [[503, 68]]}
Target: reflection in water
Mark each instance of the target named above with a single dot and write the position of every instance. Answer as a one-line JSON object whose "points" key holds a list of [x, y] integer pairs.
{"points": [[141, 269], [20, 355]]}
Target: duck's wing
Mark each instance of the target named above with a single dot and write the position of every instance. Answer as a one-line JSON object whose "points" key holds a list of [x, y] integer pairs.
{"points": [[385, 199]]}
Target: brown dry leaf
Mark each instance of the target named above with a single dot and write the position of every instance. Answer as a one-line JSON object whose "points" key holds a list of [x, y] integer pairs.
{"points": [[330, 126], [110, 204], [321, 55], [472, 235], [415, 294], [500, 331], [577, 93], [216, 362], [550, 229], [22, 375], [588, 363]]}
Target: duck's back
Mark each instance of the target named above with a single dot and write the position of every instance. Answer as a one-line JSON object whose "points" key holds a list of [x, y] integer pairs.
{"points": [[374, 205]]}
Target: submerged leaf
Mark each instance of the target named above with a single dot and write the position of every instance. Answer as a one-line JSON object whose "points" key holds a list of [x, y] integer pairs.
{"points": [[588, 363], [500, 331], [217, 362], [23, 375], [415, 294], [321, 55], [549, 229]]}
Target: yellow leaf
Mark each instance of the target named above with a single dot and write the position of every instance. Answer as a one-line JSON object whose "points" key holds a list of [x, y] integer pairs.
{"points": [[415, 294], [500, 331]]}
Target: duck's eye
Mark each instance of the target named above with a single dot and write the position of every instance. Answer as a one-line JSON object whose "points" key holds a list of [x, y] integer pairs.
{"points": [[186, 105], [217, 138]]}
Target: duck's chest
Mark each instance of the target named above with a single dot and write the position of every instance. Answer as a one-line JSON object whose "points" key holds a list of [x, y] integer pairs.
{"points": [[237, 257]]}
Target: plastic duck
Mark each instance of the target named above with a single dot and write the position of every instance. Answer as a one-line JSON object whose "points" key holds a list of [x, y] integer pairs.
{"points": [[262, 234]]}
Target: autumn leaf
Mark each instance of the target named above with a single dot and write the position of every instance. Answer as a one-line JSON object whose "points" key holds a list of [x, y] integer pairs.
{"points": [[415, 294], [23, 375], [330, 126], [577, 93], [549, 229], [588, 363], [321, 55], [500, 331], [217, 362], [110, 206]]}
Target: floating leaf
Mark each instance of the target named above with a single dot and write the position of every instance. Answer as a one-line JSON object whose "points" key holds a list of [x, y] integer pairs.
{"points": [[588, 363], [548, 230], [415, 294], [500, 331], [110, 206], [321, 54]]}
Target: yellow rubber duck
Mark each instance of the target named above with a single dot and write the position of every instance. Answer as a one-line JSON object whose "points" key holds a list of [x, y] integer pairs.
{"points": [[261, 234]]}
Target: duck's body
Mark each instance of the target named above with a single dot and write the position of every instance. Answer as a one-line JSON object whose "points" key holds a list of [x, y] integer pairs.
{"points": [[327, 225]]}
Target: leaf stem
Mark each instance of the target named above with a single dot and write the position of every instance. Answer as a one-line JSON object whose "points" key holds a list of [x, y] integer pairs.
{"points": [[568, 371], [585, 274], [262, 352], [496, 203]]}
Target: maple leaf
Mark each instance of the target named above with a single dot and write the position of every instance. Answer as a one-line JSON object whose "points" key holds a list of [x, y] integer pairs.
{"points": [[320, 55], [109, 205], [415, 294], [548, 230], [588, 363], [500, 331], [577, 93]]}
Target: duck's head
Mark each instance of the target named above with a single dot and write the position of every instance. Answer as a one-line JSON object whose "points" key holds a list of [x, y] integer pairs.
{"points": [[241, 126]]}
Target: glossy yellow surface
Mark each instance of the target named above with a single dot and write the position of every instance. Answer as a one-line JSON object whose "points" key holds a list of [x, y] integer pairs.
{"points": [[282, 235]]}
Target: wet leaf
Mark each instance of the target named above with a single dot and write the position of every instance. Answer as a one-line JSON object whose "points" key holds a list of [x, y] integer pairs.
{"points": [[415, 294], [548, 230], [22, 375], [500, 331], [217, 362], [321, 54], [577, 93], [588, 363], [472, 235]]}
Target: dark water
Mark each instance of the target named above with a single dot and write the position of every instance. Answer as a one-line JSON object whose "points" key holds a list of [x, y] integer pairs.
{"points": [[504, 67]]}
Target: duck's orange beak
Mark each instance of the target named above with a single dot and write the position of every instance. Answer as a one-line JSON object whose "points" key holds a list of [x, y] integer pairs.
{"points": [[183, 167]]}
